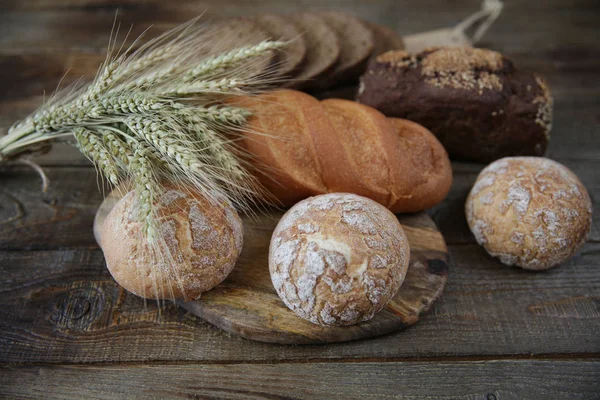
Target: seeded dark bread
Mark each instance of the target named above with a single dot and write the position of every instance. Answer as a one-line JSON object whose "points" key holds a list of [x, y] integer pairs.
{"points": [[386, 39], [281, 28], [356, 45], [474, 100], [323, 49]]}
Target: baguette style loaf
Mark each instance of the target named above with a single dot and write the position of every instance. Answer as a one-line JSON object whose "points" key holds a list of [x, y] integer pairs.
{"points": [[312, 148]]}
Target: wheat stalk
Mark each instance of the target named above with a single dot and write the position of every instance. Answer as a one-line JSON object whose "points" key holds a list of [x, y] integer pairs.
{"points": [[154, 114]]}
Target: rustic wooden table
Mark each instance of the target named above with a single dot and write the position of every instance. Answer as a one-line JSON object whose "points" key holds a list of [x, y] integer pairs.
{"points": [[68, 331]]}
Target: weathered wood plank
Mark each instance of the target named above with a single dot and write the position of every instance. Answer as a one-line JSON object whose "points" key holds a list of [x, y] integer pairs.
{"points": [[63, 216], [63, 306], [523, 23], [515, 379]]}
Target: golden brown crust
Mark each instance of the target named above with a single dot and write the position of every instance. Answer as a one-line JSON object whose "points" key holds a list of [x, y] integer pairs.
{"points": [[203, 242], [343, 146], [422, 169], [529, 211], [367, 139], [285, 155], [337, 259]]}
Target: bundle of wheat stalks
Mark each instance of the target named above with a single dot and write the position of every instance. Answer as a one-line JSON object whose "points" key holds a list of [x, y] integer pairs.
{"points": [[157, 113]]}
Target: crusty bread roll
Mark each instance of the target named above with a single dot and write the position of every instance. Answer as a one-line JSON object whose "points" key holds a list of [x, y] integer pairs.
{"points": [[313, 147], [337, 259], [203, 240], [529, 211]]}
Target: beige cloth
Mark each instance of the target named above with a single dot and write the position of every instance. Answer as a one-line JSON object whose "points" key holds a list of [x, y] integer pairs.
{"points": [[459, 35]]}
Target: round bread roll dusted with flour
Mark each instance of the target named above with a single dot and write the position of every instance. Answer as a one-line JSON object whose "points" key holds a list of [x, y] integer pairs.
{"points": [[337, 259], [203, 241], [531, 212]]}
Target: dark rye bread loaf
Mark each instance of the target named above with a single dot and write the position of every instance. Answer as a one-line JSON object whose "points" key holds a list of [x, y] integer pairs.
{"points": [[323, 49], [281, 28], [356, 45], [474, 100]]}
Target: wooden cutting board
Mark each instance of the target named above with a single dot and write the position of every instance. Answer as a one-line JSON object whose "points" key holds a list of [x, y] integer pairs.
{"points": [[246, 303]]}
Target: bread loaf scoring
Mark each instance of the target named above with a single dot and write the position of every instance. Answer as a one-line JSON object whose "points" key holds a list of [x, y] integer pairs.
{"points": [[313, 147], [200, 242], [474, 100], [337, 259]]}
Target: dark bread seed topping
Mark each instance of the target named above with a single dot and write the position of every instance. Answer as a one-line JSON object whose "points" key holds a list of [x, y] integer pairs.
{"points": [[474, 100], [545, 102]]}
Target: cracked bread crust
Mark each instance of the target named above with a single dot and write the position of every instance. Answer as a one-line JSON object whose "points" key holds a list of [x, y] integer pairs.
{"points": [[474, 100], [204, 241], [337, 259], [531, 212]]}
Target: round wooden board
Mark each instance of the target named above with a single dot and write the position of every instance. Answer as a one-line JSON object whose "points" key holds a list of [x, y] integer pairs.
{"points": [[246, 303]]}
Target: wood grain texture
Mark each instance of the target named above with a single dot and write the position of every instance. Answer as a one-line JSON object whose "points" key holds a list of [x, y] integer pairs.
{"points": [[62, 217], [246, 303], [489, 380], [62, 306]]}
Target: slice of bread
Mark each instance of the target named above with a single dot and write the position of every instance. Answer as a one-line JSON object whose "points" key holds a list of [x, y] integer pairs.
{"points": [[386, 39], [281, 28], [323, 49], [234, 33], [357, 44]]}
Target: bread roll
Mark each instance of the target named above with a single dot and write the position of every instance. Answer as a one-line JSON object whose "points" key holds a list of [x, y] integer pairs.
{"points": [[474, 100], [337, 259], [530, 212], [203, 241], [313, 147]]}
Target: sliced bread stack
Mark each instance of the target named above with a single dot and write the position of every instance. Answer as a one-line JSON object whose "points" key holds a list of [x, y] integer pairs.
{"points": [[326, 49]]}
